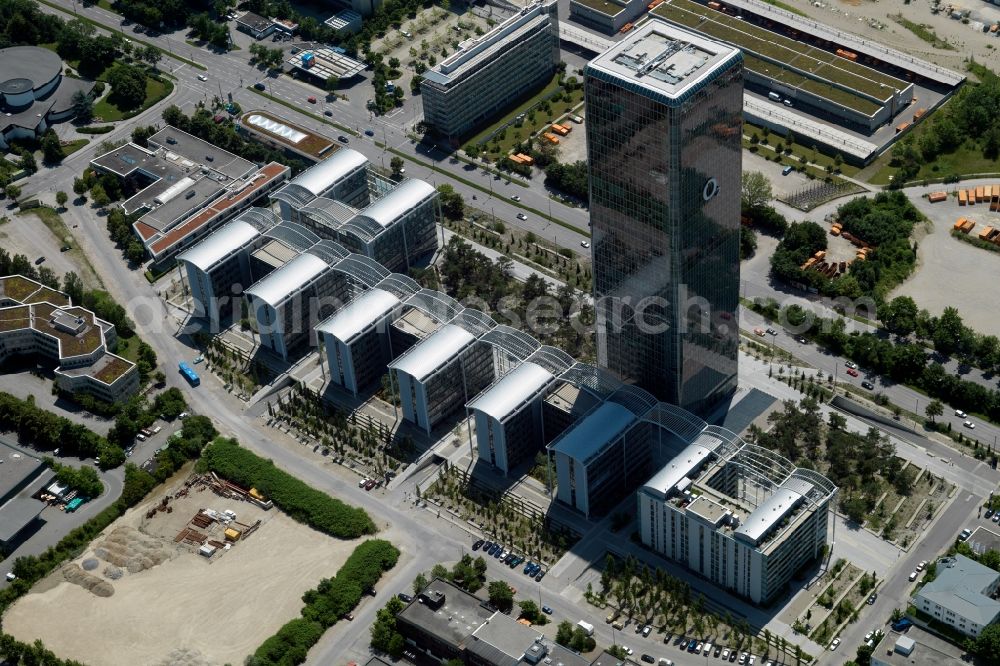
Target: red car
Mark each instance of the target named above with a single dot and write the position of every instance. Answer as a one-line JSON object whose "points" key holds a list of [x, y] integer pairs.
{"points": [[312, 100], [369, 484], [852, 372]]}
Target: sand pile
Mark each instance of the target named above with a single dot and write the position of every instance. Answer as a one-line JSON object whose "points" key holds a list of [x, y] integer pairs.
{"points": [[127, 548], [74, 574]]}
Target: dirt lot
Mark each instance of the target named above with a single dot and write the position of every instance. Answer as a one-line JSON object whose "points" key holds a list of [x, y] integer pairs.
{"points": [[26, 234], [944, 262], [178, 608]]}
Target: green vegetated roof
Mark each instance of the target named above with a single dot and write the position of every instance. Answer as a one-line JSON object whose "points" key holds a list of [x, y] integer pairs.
{"points": [[812, 86], [792, 54], [604, 6]]}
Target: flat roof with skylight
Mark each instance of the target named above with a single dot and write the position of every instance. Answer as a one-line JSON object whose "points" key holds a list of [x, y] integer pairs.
{"points": [[664, 58]]}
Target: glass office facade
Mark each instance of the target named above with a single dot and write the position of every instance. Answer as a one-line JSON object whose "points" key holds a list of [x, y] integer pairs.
{"points": [[665, 204]]}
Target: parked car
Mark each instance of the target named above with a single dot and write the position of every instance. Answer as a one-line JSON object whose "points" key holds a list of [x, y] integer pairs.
{"points": [[835, 644], [202, 77], [725, 654], [902, 625], [799, 339], [478, 544], [872, 598], [645, 630], [913, 576], [787, 170], [718, 651], [515, 197], [342, 139], [311, 99], [259, 85], [648, 658], [328, 112], [539, 576], [920, 567], [970, 425], [743, 657], [960, 414], [369, 132], [692, 644], [852, 365], [486, 546], [996, 517], [868, 385], [852, 372], [404, 597], [547, 610], [966, 533], [140, 437], [759, 331], [522, 216], [584, 243], [40, 260], [732, 656], [771, 331]]}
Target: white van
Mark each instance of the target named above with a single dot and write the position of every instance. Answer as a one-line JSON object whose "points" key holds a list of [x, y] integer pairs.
{"points": [[774, 97]]}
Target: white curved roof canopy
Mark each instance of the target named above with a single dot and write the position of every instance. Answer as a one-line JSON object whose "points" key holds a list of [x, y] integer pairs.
{"points": [[516, 387], [410, 194], [320, 178], [364, 311], [433, 352], [288, 279], [228, 239]]}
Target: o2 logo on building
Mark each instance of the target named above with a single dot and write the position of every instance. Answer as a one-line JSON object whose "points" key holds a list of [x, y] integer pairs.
{"points": [[710, 190]]}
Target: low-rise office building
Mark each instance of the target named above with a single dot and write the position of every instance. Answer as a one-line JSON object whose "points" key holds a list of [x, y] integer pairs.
{"points": [[446, 622], [962, 595], [487, 74], [37, 321], [739, 515], [916, 647], [19, 473], [608, 16], [186, 188]]}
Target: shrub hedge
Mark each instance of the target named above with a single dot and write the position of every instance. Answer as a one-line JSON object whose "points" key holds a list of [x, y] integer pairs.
{"points": [[305, 504], [325, 605]]}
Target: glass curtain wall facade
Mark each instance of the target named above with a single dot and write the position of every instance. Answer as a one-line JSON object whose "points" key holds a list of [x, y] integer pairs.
{"points": [[665, 168]]}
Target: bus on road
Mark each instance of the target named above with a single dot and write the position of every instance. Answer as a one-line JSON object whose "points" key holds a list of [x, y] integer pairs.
{"points": [[189, 374]]}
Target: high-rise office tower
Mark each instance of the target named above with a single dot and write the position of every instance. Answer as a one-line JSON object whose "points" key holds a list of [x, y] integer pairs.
{"points": [[664, 117]]}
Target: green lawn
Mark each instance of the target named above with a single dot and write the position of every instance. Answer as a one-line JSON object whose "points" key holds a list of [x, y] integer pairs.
{"points": [[155, 91], [568, 103], [128, 348], [74, 146], [923, 33]]}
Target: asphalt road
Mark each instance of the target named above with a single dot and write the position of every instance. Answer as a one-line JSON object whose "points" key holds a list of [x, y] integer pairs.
{"points": [[898, 394]]}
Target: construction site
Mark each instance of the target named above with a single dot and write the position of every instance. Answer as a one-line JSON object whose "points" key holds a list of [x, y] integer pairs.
{"points": [[150, 588]]}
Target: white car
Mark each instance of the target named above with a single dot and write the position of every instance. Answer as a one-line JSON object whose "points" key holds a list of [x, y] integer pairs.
{"points": [[970, 425], [183, 415], [913, 576], [752, 660], [835, 644], [960, 414], [522, 216], [645, 630], [996, 517], [743, 657], [202, 77], [514, 197], [920, 567], [869, 635], [629, 651], [584, 243]]}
